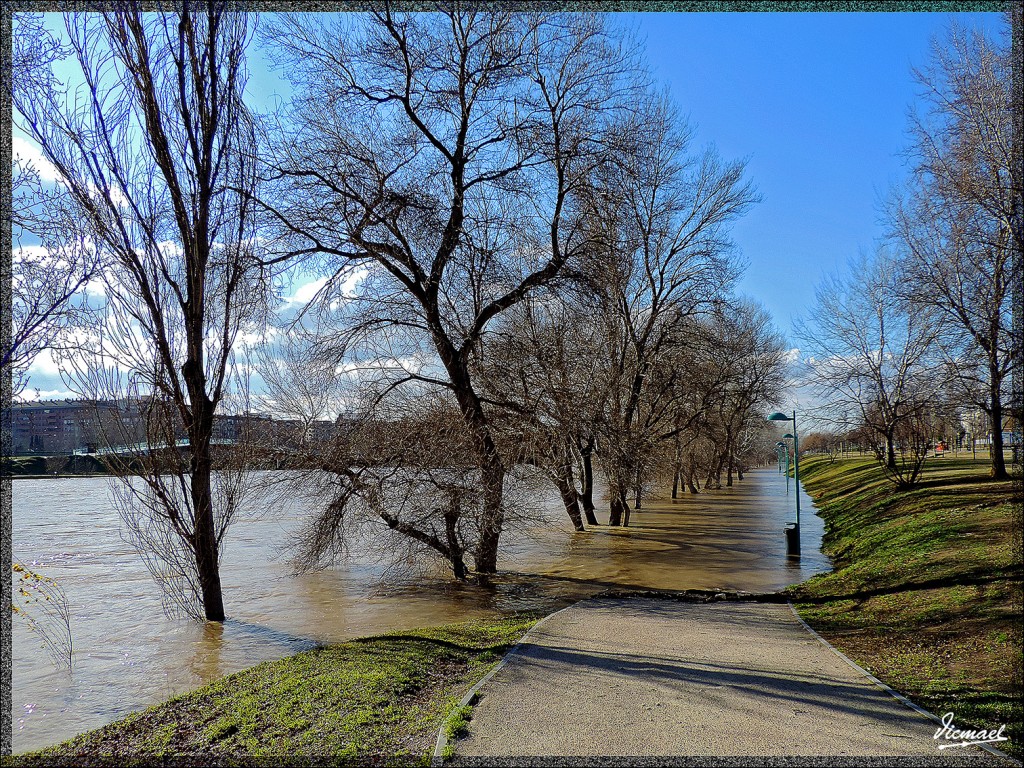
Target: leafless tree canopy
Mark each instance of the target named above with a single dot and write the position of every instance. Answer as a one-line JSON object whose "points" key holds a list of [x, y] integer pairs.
{"points": [[446, 158], [524, 259], [954, 222], [154, 151], [514, 222], [872, 359], [52, 260], [658, 221]]}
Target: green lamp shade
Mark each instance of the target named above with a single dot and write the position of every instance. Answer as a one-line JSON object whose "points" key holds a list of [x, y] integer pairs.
{"points": [[788, 436], [779, 417]]}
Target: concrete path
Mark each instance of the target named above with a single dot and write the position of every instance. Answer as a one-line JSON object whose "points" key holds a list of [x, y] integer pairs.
{"points": [[644, 677]]}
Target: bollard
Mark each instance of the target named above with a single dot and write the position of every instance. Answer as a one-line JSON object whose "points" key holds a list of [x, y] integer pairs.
{"points": [[792, 540]]}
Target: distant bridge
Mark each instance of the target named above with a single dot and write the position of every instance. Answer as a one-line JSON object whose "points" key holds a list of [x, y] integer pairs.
{"points": [[136, 448]]}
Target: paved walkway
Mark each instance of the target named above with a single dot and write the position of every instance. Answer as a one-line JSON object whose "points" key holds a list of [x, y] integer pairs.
{"points": [[655, 677]]}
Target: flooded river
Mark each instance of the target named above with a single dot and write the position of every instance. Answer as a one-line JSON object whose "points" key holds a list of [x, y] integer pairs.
{"points": [[128, 655]]}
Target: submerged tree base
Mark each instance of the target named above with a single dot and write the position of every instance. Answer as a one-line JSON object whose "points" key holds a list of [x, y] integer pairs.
{"points": [[376, 700]]}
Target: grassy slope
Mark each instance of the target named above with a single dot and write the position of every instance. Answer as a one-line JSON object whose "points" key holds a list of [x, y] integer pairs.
{"points": [[926, 591], [378, 700]]}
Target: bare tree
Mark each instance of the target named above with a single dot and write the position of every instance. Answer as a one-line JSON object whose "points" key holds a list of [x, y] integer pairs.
{"points": [[871, 360], [825, 443], [443, 154], [604, 364], [43, 605], [152, 145], [53, 260], [660, 219], [749, 357], [955, 220], [300, 382], [724, 368], [402, 484], [542, 370]]}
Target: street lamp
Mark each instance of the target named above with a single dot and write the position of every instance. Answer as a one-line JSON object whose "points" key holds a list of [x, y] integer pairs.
{"points": [[792, 533], [783, 449]]}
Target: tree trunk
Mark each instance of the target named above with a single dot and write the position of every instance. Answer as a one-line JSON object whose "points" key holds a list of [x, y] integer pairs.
{"points": [[199, 428], [719, 469], [677, 468], [204, 542], [691, 477], [717, 472], [570, 498], [619, 508], [614, 512], [451, 519], [637, 491], [626, 511], [493, 518], [492, 468], [998, 470], [890, 451], [587, 497]]}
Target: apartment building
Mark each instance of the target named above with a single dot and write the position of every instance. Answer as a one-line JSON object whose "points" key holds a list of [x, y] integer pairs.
{"points": [[56, 427]]}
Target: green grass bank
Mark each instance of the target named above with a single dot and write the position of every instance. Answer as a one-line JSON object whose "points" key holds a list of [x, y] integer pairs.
{"points": [[373, 701], [926, 589]]}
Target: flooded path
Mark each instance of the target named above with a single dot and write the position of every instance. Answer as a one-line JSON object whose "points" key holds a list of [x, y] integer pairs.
{"points": [[128, 655], [728, 539]]}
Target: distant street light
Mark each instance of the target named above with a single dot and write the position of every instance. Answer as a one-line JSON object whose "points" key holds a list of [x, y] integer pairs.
{"points": [[784, 450], [792, 533]]}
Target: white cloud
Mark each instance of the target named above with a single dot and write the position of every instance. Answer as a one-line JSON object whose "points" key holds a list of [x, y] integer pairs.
{"points": [[250, 339], [96, 288], [44, 364], [170, 249], [25, 153], [305, 293], [351, 283], [346, 288], [29, 254], [46, 394]]}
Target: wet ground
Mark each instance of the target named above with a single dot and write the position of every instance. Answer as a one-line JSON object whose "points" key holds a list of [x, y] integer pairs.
{"points": [[128, 655]]}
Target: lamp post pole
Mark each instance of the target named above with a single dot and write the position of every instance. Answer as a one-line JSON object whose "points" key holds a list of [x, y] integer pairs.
{"points": [[796, 476], [793, 531], [786, 448], [783, 450]]}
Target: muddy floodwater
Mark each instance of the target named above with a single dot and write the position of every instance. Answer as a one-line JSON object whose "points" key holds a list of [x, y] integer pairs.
{"points": [[128, 655]]}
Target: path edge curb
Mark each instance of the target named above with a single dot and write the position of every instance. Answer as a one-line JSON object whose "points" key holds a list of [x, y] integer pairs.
{"points": [[896, 695], [442, 739]]}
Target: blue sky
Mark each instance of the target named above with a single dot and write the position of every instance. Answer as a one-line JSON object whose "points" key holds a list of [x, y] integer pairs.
{"points": [[818, 104]]}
